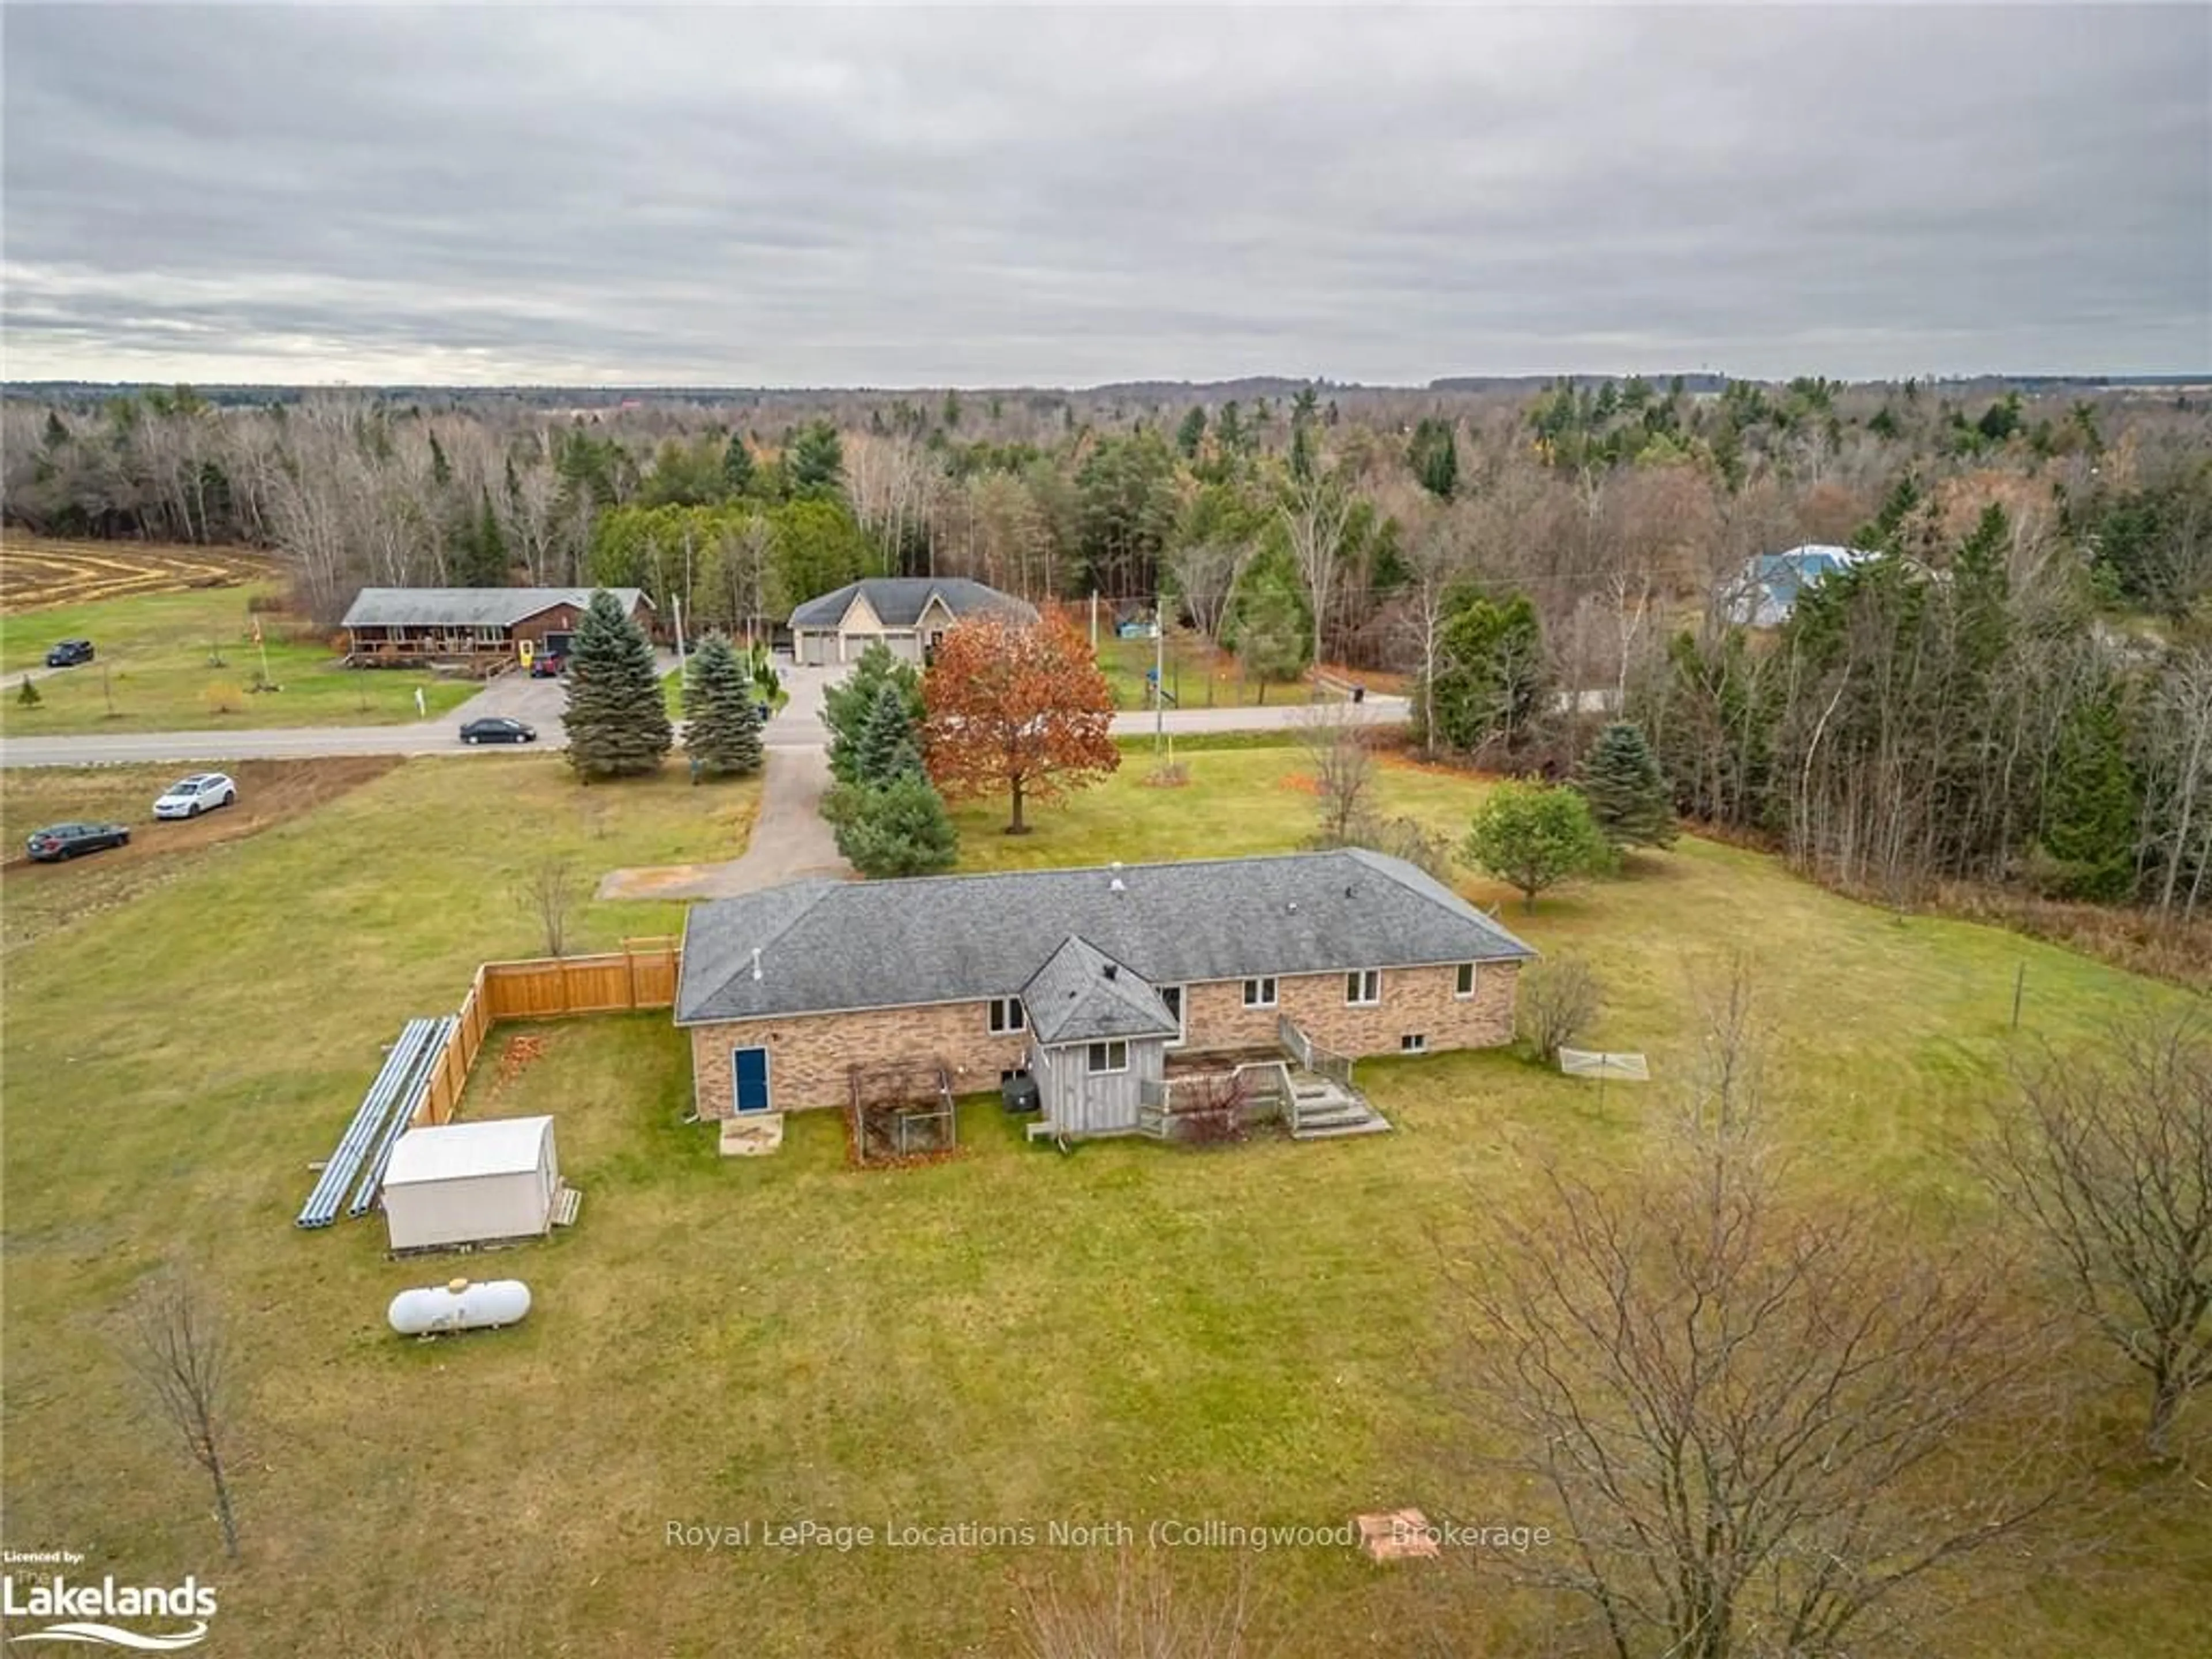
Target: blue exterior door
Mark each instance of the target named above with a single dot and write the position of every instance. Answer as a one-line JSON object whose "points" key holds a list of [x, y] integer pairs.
{"points": [[750, 1068]]}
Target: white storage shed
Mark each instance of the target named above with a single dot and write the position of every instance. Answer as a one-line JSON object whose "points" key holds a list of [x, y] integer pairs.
{"points": [[471, 1183]]}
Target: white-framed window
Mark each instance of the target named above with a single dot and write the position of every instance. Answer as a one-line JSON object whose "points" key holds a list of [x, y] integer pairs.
{"points": [[1108, 1057], [1259, 992], [1172, 996], [1007, 1016], [1465, 986], [1413, 1042], [1362, 988]]}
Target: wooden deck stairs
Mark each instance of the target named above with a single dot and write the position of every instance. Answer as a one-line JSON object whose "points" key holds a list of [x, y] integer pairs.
{"points": [[1323, 1109]]}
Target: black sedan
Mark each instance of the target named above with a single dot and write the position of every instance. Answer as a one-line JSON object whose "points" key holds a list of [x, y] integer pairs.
{"points": [[69, 653], [498, 728], [66, 841]]}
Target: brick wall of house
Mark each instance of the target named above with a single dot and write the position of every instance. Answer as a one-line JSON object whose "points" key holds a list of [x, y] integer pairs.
{"points": [[1415, 1000], [810, 1055]]}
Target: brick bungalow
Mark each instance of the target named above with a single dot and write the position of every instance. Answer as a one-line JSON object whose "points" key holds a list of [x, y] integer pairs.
{"points": [[1093, 979]]}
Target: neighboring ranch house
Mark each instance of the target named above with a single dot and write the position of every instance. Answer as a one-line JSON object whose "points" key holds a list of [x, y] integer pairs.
{"points": [[1093, 979], [392, 624], [911, 614]]}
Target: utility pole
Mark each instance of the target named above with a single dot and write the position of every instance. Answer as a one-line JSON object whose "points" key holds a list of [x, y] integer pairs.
{"points": [[1159, 674], [679, 631], [1094, 621]]}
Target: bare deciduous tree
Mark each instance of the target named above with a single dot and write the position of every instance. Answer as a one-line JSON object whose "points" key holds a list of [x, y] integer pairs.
{"points": [[1203, 575], [175, 1343], [1767, 1426], [550, 891], [2109, 1162], [1344, 767], [1315, 512]]}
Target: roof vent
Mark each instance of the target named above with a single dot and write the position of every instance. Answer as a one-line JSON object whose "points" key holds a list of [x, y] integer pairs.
{"points": [[757, 972], [1294, 906], [1113, 971], [1116, 886]]}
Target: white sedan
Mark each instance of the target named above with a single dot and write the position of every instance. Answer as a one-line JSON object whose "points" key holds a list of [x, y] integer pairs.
{"points": [[202, 792]]}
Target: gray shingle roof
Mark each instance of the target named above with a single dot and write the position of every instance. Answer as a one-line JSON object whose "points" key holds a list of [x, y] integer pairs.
{"points": [[900, 600], [1083, 995], [468, 607], [827, 946]]}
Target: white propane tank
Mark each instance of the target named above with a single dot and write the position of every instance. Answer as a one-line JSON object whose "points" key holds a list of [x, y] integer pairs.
{"points": [[459, 1305]]}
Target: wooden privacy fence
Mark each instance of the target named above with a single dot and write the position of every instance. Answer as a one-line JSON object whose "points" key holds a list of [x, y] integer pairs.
{"points": [[642, 975]]}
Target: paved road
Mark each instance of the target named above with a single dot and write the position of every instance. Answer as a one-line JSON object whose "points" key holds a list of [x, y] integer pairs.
{"points": [[799, 725]]}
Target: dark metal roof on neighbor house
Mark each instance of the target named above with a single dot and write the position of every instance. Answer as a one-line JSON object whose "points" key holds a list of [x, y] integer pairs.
{"points": [[470, 607], [1083, 995], [826, 946], [899, 601]]}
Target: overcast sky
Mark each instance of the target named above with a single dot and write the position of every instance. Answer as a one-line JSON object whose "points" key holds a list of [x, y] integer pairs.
{"points": [[714, 197]]}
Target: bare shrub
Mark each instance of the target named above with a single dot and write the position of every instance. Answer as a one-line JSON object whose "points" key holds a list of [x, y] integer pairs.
{"points": [[1134, 1610], [1560, 1000], [1217, 1112]]}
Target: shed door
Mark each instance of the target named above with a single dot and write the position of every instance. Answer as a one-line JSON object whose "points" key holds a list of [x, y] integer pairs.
{"points": [[749, 1069]]}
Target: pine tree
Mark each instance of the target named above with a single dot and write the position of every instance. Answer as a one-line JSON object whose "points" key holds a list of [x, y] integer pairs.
{"points": [[617, 719], [1627, 793], [2090, 806], [1191, 433], [901, 830], [888, 749], [816, 459], [737, 465], [721, 728]]}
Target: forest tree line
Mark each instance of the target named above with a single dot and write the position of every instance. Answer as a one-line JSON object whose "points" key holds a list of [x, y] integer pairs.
{"points": [[2019, 687]]}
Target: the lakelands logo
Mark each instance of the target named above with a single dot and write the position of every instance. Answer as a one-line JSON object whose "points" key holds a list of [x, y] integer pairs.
{"points": [[84, 1613]]}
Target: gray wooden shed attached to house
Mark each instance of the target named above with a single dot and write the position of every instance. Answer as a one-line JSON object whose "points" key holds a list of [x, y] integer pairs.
{"points": [[1098, 1031]]}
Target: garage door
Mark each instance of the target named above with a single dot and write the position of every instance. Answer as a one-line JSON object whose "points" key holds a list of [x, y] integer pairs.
{"points": [[854, 644]]}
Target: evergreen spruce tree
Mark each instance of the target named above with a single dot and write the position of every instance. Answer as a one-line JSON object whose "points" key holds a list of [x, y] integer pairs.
{"points": [[1626, 791], [2090, 807], [889, 748], [736, 467], [721, 723], [900, 829], [617, 720], [846, 709]]}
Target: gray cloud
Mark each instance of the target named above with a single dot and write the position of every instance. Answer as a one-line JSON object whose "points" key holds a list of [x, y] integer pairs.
{"points": [[1001, 197]]}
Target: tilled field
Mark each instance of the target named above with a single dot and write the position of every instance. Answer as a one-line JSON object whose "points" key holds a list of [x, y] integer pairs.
{"points": [[38, 573]]}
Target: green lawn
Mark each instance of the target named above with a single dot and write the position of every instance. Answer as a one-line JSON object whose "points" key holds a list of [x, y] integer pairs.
{"points": [[1009, 1338], [155, 667], [1198, 676], [672, 694]]}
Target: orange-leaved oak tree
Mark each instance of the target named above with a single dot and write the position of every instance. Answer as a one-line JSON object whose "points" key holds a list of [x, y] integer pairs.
{"points": [[1016, 706]]}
